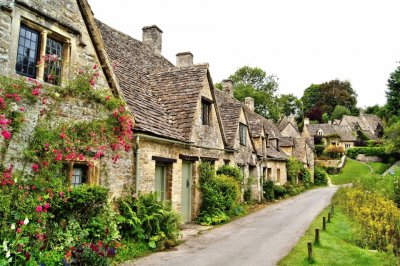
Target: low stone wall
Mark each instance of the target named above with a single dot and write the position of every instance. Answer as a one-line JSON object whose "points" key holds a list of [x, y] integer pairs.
{"points": [[327, 163], [368, 159]]}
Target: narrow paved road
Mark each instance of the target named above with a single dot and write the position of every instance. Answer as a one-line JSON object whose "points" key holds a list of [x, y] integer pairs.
{"points": [[261, 238]]}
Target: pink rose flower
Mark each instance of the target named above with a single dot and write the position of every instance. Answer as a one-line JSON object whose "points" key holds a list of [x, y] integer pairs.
{"points": [[39, 209], [6, 134], [35, 168]]}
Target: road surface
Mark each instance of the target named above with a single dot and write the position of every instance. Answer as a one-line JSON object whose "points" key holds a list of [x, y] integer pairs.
{"points": [[261, 238]]}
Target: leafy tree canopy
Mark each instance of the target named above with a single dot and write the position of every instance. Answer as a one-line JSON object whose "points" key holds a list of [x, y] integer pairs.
{"points": [[339, 112], [254, 82], [393, 93]]}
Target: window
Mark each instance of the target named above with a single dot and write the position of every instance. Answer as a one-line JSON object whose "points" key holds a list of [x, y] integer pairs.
{"points": [[27, 53], [320, 132], [161, 182], [347, 146], [205, 112], [52, 69], [31, 48], [243, 133], [269, 173], [79, 175]]}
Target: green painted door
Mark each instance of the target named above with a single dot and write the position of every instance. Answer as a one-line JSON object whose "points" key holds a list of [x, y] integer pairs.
{"points": [[186, 202], [160, 182]]}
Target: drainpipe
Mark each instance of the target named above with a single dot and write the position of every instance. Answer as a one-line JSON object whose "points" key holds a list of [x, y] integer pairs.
{"points": [[137, 164]]}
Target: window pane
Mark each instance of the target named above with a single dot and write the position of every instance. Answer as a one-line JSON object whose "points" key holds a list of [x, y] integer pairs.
{"points": [[27, 52], [78, 176], [52, 70]]}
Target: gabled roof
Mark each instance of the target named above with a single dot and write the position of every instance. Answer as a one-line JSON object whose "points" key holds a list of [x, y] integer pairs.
{"points": [[230, 109], [285, 121], [276, 155], [179, 90], [371, 120], [286, 142], [345, 133], [327, 129], [256, 122], [272, 130], [355, 121]]}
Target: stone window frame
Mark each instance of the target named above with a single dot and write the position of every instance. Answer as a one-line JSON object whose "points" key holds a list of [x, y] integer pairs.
{"points": [[206, 105], [243, 134], [92, 173], [347, 146], [320, 132], [44, 34]]}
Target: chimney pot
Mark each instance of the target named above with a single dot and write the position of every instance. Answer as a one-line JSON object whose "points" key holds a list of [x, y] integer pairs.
{"points": [[184, 59], [227, 86], [152, 36], [249, 102], [306, 121]]}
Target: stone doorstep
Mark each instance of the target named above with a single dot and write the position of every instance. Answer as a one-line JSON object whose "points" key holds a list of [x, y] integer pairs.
{"points": [[191, 230]]}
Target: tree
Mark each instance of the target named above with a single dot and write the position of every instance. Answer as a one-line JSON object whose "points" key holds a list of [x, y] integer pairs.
{"points": [[339, 112], [392, 136], [393, 93], [323, 98], [290, 105], [380, 111], [254, 82], [325, 118]]}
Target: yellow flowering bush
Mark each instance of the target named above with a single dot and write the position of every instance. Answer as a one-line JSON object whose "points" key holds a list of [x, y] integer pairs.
{"points": [[378, 216]]}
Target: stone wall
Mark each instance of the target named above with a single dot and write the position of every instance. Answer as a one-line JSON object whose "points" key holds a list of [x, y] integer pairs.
{"points": [[368, 159], [63, 20], [275, 166]]}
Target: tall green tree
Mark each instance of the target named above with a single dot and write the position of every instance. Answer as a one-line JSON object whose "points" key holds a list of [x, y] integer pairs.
{"points": [[393, 93], [254, 82], [323, 98], [339, 112]]}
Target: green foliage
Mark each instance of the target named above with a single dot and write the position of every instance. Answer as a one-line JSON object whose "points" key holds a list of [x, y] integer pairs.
{"points": [[231, 171], [337, 246], [393, 93], [368, 151], [319, 149], [289, 104], [293, 190], [148, 219], [294, 169], [392, 138], [279, 191], [378, 216], [323, 98], [268, 190], [380, 111], [339, 112], [220, 194], [320, 176], [325, 118], [396, 190], [255, 83]]}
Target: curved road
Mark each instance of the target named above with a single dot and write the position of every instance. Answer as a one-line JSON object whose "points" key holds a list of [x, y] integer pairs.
{"points": [[261, 238]]}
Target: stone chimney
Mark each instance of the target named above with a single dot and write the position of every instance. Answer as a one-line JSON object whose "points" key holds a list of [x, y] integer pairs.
{"points": [[249, 102], [292, 119], [184, 59], [330, 122], [306, 121], [152, 36], [227, 86]]}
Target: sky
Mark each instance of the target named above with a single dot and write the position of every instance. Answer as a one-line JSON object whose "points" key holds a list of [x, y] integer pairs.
{"points": [[301, 42]]}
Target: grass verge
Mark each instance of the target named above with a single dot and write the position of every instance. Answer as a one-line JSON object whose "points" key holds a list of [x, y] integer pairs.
{"points": [[336, 246], [350, 172], [379, 168]]}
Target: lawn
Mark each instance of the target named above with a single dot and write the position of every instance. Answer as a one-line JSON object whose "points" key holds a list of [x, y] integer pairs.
{"points": [[351, 170], [336, 246], [379, 168]]}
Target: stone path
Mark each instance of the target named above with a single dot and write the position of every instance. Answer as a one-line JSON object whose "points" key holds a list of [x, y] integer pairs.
{"points": [[261, 238]]}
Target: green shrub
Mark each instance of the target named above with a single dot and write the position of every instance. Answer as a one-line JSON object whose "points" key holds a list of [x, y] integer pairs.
{"points": [[368, 151], [294, 169], [149, 219], [396, 190], [305, 177], [319, 149], [320, 176], [231, 171], [279, 191], [220, 193], [268, 190]]}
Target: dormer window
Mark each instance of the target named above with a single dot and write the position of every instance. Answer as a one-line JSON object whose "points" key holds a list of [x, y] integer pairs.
{"points": [[243, 134], [320, 132], [205, 111], [39, 54]]}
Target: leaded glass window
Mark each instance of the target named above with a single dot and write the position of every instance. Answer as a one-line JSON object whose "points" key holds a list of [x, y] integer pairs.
{"points": [[28, 45], [53, 67]]}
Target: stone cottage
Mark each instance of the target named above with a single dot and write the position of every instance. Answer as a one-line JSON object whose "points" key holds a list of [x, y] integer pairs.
{"points": [[328, 134], [32, 29], [365, 126]]}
